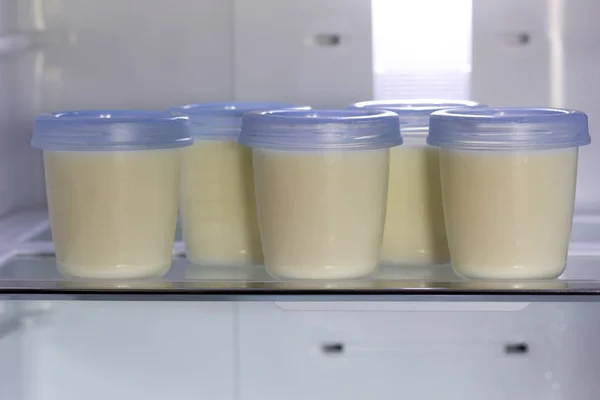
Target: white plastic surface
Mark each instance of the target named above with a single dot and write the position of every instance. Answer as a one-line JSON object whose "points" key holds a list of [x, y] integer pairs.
{"points": [[418, 355], [134, 53], [97, 350], [129, 350], [12, 371], [287, 51]]}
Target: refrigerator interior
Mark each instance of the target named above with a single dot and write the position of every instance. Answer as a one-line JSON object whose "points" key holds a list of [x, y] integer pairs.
{"points": [[80, 54]]}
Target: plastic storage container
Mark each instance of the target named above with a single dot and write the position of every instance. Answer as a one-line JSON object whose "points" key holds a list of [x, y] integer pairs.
{"points": [[321, 187], [414, 227], [112, 181], [508, 183], [218, 209]]}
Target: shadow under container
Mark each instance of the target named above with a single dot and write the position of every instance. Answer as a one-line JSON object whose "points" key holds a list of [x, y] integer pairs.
{"points": [[508, 186], [112, 183], [218, 207], [414, 232], [321, 182]]}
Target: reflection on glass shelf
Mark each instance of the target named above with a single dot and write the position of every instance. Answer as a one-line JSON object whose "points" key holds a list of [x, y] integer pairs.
{"points": [[31, 274]]}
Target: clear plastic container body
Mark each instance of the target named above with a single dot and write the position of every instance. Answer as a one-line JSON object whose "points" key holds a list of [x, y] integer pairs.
{"points": [[508, 179], [321, 213], [113, 213], [414, 227], [508, 213], [218, 207]]}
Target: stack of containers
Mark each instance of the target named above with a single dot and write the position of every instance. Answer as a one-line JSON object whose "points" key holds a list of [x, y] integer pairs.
{"points": [[414, 233], [112, 181], [218, 209], [321, 182], [508, 183]]}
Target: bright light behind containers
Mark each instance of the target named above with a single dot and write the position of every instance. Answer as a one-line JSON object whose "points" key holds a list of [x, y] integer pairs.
{"points": [[321, 181], [218, 209], [508, 181], [414, 227]]}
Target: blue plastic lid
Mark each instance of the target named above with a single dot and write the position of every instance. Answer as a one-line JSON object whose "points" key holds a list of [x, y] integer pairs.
{"points": [[321, 130], [110, 130], [223, 121], [414, 114], [508, 128]]}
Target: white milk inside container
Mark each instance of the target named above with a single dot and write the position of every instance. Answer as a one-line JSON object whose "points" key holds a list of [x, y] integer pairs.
{"points": [[332, 205], [508, 185], [112, 182], [414, 232], [218, 207], [321, 188]]}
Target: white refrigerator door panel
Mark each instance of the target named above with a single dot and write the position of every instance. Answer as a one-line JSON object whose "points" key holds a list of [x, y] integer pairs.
{"points": [[132, 350], [300, 354], [506, 71], [134, 53], [12, 371], [312, 51]]}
